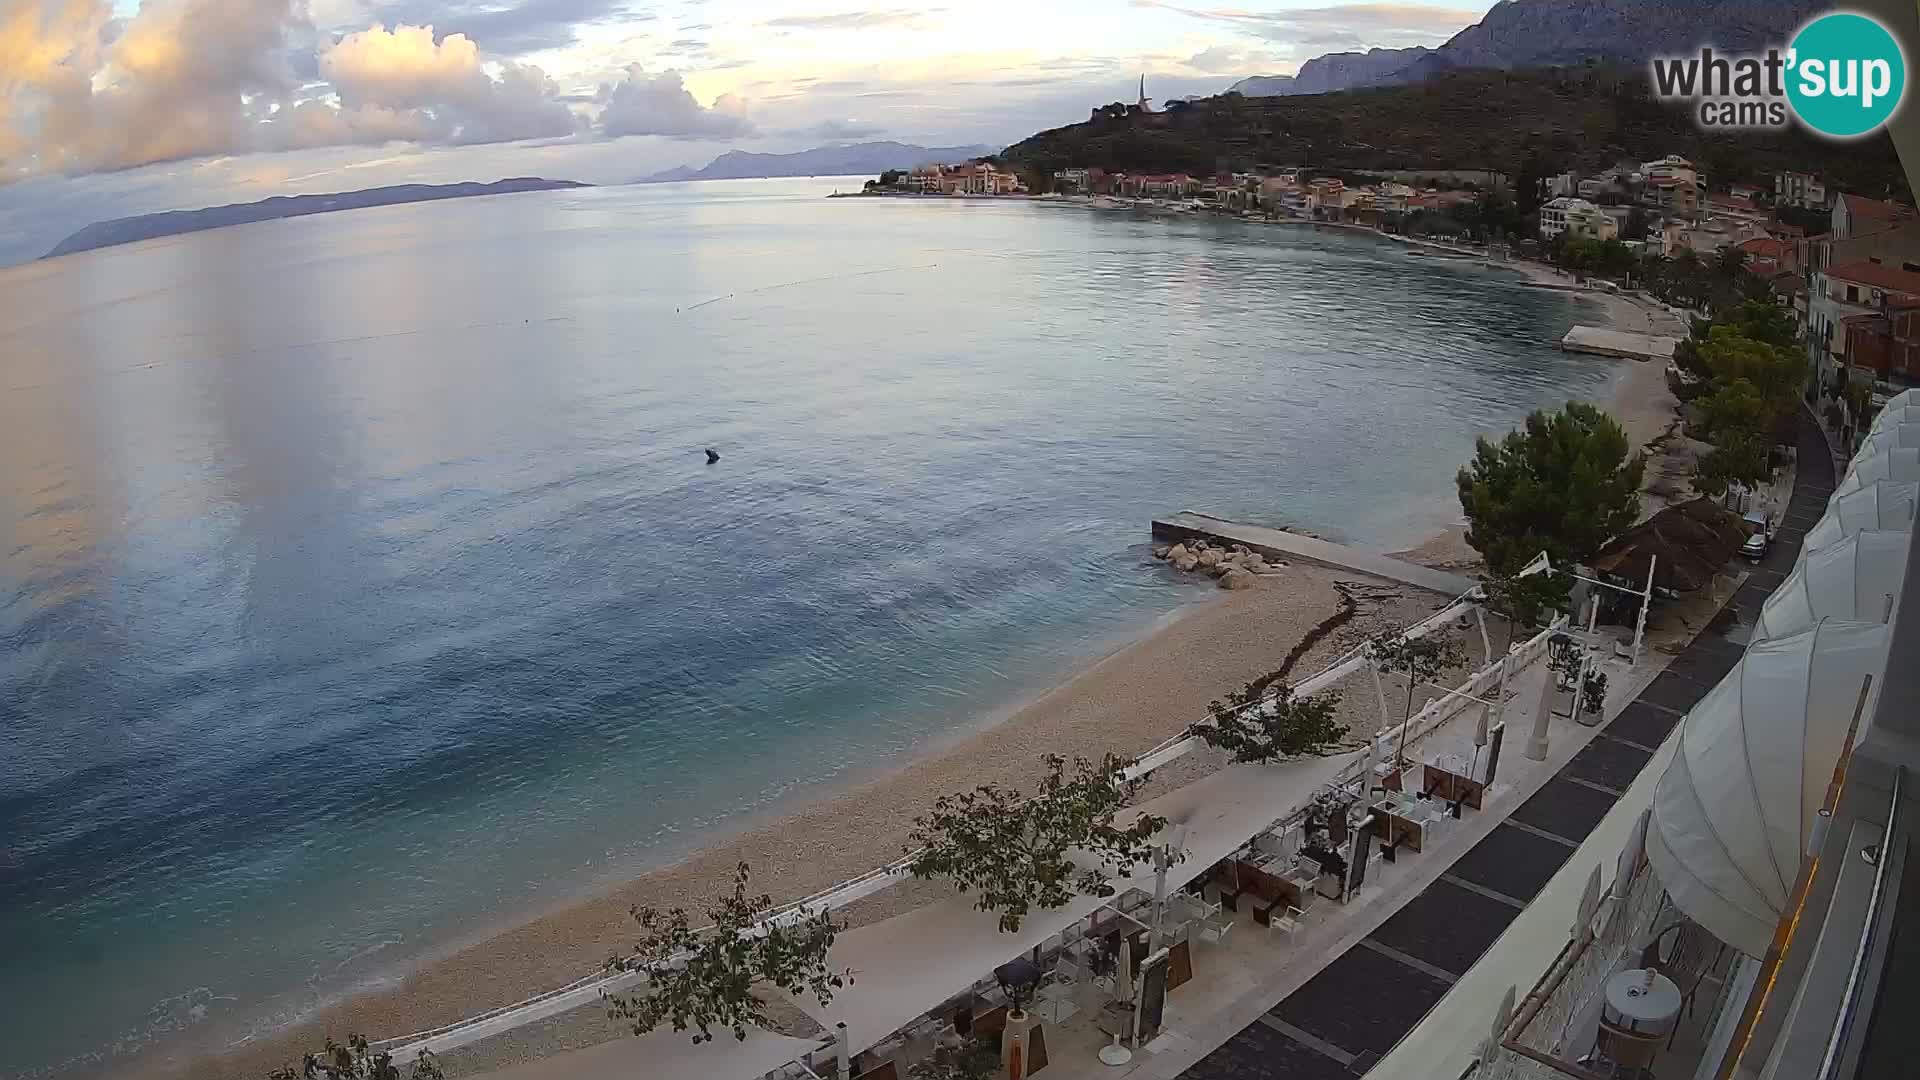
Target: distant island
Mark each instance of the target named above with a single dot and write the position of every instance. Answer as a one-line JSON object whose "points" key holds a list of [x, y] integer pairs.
{"points": [[852, 159], [126, 230]]}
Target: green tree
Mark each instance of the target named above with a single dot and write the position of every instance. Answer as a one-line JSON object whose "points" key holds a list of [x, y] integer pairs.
{"points": [[1525, 601], [1266, 721], [1741, 459], [1774, 371], [1417, 660], [1734, 410], [1013, 850], [356, 1060], [1613, 258], [1729, 262], [1565, 485], [1761, 320], [710, 978], [1635, 227]]}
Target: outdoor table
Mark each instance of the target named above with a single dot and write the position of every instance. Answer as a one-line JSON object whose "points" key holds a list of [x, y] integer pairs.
{"points": [[1398, 820], [1443, 781], [1643, 1002]]}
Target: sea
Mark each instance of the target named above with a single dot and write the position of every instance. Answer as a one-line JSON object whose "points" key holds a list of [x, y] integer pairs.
{"points": [[364, 583]]}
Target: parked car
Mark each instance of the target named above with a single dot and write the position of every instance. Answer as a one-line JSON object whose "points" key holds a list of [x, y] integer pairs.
{"points": [[1758, 526]]}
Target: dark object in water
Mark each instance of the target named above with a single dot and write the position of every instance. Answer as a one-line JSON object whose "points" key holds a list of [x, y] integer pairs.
{"points": [[712, 455]]}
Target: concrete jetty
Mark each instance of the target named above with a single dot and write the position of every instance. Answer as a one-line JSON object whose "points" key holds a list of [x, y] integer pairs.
{"points": [[1280, 544], [1603, 342]]}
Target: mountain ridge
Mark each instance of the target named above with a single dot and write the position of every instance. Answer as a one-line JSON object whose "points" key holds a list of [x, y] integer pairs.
{"points": [[126, 230], [1517, 34], [838, 159]]}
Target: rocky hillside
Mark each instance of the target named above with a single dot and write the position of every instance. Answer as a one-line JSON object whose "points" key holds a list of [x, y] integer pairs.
{"points": [[1334, 71], [1584, 118], [1549, 33]]}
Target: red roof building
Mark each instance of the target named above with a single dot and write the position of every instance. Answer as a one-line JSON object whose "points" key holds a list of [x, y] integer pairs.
{"points": [[1768, 256], [1886, 342], [1854, 283], [1857, 215]]}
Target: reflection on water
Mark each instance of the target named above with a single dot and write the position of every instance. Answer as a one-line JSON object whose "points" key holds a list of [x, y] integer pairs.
{"points": [[365, 584]]}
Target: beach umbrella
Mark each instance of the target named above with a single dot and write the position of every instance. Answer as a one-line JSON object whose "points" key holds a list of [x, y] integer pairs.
{"points": [[1631, 853], [1899, 463], [1733, 813], [1888, 505], [1685, 545], [1853, 580]]}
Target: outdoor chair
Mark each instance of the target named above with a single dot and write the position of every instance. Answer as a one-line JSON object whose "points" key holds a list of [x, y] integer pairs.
{"points": [[1287, 921], [1690, 955], [1215, 927]]}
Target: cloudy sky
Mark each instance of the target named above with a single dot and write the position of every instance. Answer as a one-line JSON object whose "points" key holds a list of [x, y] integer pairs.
{"points": [[129, 106]]}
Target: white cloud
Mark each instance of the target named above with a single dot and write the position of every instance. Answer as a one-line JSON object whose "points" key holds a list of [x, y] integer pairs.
{"points": [[1310, 31], [1231, 60], [838, 129], [188, 78], [643, 104], [380, 72]]}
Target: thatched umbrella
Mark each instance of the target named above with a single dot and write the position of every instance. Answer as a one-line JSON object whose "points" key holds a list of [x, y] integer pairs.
{"points": [[1691, 542]]}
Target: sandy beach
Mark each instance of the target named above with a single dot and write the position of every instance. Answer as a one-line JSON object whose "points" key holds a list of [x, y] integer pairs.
{"points": [[1124, 703]]}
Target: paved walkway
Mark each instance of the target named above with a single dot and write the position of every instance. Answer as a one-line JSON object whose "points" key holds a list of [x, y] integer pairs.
{"points": [[1344, 1019], [1280, 544]]}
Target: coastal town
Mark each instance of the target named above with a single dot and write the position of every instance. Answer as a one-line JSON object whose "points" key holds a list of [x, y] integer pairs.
{"points": [[1376, 565]]}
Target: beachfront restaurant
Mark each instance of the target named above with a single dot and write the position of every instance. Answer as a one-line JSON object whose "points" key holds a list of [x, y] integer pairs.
{"points": [[1256, 863], [1748, 920]]}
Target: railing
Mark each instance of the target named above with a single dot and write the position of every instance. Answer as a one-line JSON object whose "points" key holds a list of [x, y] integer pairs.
{"points": [[1436, 713], [1850, 999], [1527, 1047]]}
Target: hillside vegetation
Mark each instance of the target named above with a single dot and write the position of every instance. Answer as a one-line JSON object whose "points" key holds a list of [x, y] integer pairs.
{"points": [[1578, 118]]}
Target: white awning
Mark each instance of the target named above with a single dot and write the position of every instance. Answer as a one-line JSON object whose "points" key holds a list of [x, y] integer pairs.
{"points": [[1904, 409], [911, 963], [1897, 464], [1886, 505], [1890, 437], [1854, 580], [1734, 810]]}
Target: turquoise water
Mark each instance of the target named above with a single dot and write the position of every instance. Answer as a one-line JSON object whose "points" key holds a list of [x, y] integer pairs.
{"points": [[365, 586]]}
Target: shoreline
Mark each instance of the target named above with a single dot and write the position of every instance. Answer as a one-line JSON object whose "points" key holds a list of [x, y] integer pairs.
{"points": [[1123, 702], [1641, 400], [1125, 694]]}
